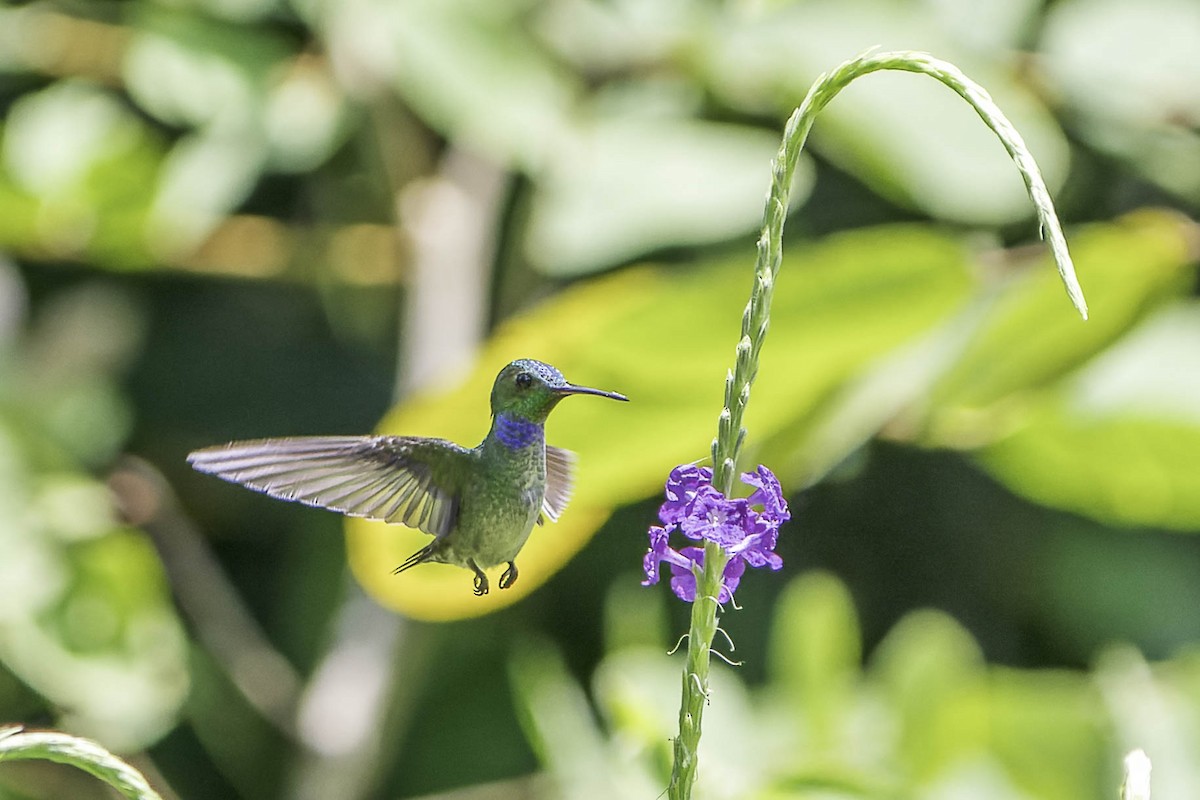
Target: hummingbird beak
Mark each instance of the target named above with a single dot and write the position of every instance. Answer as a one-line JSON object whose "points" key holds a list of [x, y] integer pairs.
{"points": [[571, 388]]}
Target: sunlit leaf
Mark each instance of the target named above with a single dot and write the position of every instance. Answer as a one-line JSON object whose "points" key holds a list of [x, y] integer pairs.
{"points": [[86, 617], [666, 338], [882, 398], [247, 104], [600, 36], [53, 138], [304, 114], [193, 70], [203, 178]]}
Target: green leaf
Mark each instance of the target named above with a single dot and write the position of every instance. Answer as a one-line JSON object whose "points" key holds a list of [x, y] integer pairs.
{"points": [[247, 103], [195, 71], [816, 652], [86, 617], [1118, 443], [1046, 729], [932, 671], [1029, 339], [17, 745]]}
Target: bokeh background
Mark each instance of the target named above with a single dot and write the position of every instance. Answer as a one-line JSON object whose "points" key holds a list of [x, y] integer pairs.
{"points": [[225, 219]]}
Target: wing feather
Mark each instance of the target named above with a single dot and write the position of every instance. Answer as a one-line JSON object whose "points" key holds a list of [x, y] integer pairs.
{"points": [[559, 464], [409, 479]]}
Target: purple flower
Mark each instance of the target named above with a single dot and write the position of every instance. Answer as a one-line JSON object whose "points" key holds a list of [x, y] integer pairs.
{"points": [[660, 551], [683, 579], [767, 494], [703, 513], [682, 485], [713, 516], [758, 549]]}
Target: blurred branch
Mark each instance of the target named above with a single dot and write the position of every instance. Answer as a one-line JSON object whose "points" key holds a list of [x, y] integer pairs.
{"points": [[451, 221], [447, 223], [345, 709]]}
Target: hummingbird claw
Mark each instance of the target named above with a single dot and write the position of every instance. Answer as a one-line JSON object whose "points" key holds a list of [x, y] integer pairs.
{"points": [[510, 575], [481, 581]]}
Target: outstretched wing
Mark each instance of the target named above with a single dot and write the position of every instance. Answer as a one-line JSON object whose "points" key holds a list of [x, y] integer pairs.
{"points": [[408, 479], [558, 481]]}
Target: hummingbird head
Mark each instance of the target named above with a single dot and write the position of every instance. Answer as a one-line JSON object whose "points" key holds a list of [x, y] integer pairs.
{"points": [[531, 389]]}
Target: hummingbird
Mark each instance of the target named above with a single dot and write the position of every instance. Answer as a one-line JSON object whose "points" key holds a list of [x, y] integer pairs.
{"points": [[480, 504]]}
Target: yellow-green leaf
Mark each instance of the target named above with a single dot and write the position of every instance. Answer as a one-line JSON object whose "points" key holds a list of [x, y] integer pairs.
{"points": [[666, 338]]}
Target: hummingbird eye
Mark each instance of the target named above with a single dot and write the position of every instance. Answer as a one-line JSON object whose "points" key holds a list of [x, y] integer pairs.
{"points": [[524, 380]]}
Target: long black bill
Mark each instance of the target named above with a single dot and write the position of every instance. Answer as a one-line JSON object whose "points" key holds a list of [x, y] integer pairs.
{"points": [[571, 388]]}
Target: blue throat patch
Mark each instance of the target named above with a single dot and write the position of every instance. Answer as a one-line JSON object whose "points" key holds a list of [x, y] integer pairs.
{"points": [[516, 433]]}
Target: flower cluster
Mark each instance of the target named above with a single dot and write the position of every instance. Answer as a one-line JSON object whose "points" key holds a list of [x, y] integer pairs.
{"points": [[702, 512]]}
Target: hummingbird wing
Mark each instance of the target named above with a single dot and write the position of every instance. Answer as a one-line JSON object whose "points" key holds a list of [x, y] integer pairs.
{"points": [[558, 481], [409, 479]]}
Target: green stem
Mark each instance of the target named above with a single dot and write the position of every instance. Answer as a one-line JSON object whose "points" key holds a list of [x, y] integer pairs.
{"points": [[730, 429], [88, 756]]}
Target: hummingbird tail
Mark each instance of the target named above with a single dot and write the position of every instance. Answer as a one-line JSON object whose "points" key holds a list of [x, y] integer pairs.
{"points": [[426, 553]]}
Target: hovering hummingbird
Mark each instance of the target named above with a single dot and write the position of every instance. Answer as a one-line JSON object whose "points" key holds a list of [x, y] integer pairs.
{"points": [[480, 504]]}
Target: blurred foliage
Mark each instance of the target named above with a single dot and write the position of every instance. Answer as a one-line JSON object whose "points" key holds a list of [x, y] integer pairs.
{"points": [[86, 620], [926, 717], [215, 217]]}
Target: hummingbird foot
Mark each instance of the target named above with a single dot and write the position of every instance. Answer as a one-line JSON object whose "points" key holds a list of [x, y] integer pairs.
{"points": [[481, 580], [510, 575]]}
